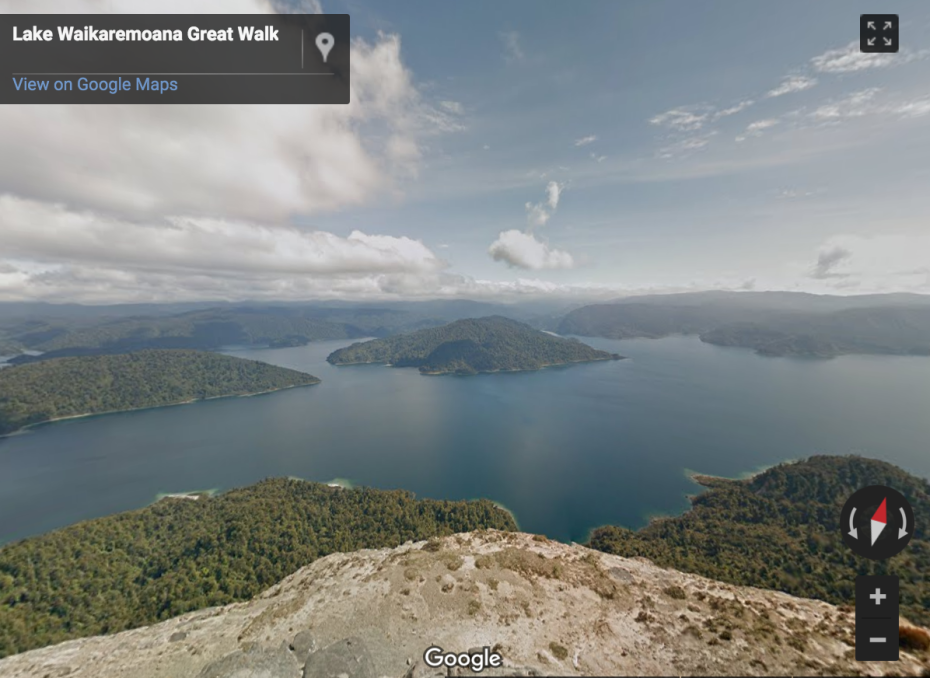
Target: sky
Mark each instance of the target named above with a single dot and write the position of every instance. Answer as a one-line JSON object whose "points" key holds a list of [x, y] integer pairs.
{"points": [[497, 151]]}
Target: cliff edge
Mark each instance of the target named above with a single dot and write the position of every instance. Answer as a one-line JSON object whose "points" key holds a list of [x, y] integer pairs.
{"points": [[546, 608]]}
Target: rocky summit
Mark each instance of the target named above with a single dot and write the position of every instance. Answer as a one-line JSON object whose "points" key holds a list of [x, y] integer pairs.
{"points": [[541, 607]]}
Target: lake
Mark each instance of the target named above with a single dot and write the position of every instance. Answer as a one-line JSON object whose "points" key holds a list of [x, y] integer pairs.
{"points": [[566, 449]]}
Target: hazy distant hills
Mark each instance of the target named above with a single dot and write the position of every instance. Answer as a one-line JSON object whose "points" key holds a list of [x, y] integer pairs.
{"points": [[771, 323], [492, 344], [203, 329], [68, 387]]}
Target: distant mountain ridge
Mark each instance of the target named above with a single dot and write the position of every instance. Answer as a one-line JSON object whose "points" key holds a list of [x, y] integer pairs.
{"points": [[775, 324], [471, 346]]}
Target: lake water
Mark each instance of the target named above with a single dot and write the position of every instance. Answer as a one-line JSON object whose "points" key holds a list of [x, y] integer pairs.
{"points": [[565, 449]]}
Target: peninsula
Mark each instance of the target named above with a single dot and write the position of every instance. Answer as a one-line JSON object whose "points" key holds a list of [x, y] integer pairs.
{"points": [[62, 388], [471, 346]]}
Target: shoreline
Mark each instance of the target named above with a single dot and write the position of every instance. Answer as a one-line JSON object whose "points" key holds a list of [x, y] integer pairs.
{"points": [[612, 357], [85, 415], [707, 483]]}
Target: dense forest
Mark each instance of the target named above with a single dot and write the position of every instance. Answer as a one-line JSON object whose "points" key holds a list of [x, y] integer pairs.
{"points": [[780, 530], [774, 324], [66, 387], [178, 555], [471, 346]]}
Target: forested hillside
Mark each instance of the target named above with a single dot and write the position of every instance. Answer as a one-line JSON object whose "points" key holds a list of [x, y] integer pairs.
{"points": [[135, 568], [780, 530], [66, 387], [775, 324], [470, 346]]}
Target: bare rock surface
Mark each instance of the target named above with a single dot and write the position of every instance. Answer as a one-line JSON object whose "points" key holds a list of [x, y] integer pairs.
{"points": [[548, 608]]}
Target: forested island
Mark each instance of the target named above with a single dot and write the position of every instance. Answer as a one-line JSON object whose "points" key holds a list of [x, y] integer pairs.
{"points": [[70, 387], [132, 569], [471, 346], [781, 530]]}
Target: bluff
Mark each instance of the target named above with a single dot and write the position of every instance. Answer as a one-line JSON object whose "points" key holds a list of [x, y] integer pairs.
{"points": [[547, 608]]}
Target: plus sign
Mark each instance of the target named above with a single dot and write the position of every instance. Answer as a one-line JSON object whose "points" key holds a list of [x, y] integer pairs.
{"points": [[878, 596]]}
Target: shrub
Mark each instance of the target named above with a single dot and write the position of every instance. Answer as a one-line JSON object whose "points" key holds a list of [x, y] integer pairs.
{"points": [[558, 651], [913, 638], [675, 592]]}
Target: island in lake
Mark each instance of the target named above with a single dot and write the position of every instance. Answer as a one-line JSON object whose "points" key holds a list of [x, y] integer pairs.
{"points": [[71, 387], [472, 346]]}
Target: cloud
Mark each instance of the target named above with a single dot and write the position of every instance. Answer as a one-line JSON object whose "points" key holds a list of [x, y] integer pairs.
{"points": [[537, 214], [553, 191], [598, 158], [755, 129], [47, 233], [796, 193], [453, 107], [828, 260], [680, 119], [849, 59], [793, 83], [584, 141], [685, 146], [912, 109], [887, 262], [257, 162], [733, 110], [513, 52], [854, 105], [523, 250]]}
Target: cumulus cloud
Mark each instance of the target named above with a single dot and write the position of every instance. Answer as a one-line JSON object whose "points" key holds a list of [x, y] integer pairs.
{"points": [[584, 141], [54, 234], [827, 262], [248, 162], [598, 158], [537, 214], [523, 250], [849, 59], [793, 83], [884, 262], [82, 255]]}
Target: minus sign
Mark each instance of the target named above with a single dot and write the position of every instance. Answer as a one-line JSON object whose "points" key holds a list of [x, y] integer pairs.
{"points": [[876, 640]]}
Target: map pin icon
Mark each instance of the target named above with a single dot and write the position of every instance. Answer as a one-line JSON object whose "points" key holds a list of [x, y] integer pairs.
{"points": [[324, 43]]}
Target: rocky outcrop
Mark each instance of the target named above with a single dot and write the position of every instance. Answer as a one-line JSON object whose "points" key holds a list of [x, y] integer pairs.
{"points": [[546, 608]]}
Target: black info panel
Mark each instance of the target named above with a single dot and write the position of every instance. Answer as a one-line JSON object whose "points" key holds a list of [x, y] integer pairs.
{"points": [[175, 58]]}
